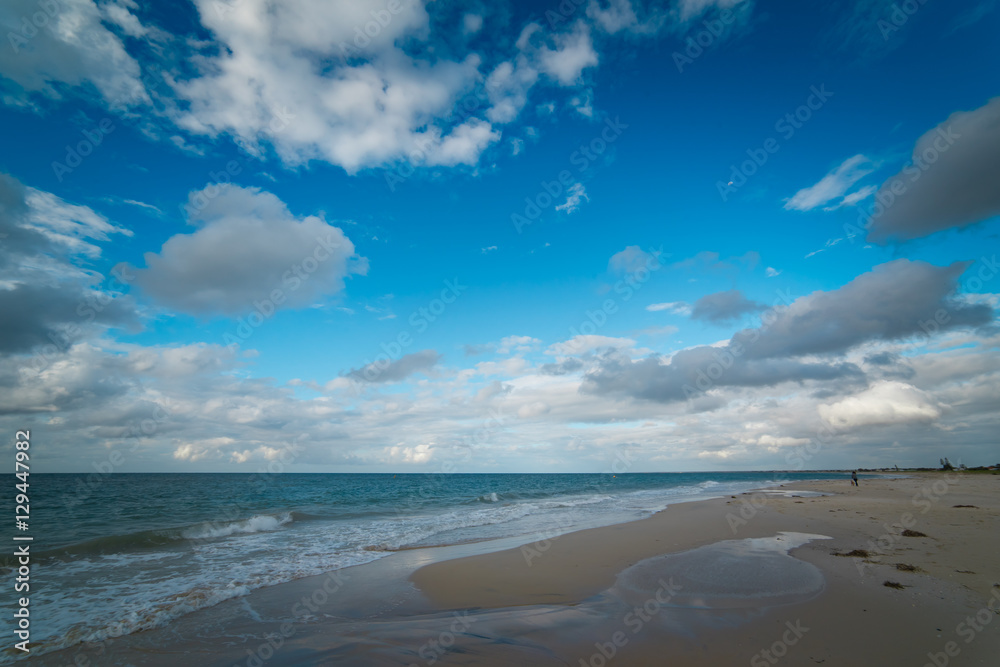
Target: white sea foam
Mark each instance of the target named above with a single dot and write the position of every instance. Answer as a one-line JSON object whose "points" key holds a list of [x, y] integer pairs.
{"points": [[255, 524]]}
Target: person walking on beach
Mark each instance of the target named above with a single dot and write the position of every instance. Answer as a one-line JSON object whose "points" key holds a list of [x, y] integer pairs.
{"points": [[854, 477]]}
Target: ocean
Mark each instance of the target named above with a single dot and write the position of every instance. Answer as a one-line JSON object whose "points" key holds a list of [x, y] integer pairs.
{"points": [[115, 554]]}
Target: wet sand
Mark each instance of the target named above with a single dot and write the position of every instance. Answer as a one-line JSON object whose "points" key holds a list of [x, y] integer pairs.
{"points": [[758, 579], [855, 619]]}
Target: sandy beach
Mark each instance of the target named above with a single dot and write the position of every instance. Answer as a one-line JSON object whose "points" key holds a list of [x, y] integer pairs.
{"points": [[794, 575], [945, 578]]}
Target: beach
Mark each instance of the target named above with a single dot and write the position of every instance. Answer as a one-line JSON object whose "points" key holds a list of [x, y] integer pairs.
{"points": [[855, 619], [762, 577]]}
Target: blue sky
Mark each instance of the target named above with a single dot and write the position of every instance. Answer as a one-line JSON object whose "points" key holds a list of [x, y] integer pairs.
{"points": [[551, 220]]}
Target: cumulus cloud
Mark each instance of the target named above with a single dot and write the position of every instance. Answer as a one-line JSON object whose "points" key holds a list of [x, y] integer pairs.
{"points": [[724, 307], [884, 404], [247, 246], [692, 372], [74, 46], [381, 107], [397, 370], [358, 84], [894, 301], [833, 186], [950, 182]]}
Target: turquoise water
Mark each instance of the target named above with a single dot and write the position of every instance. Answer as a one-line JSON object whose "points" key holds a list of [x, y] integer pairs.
{"points": [[114, 554]]}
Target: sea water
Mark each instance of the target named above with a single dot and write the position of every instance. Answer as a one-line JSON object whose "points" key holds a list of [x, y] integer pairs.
{"points": [[135, 551]]}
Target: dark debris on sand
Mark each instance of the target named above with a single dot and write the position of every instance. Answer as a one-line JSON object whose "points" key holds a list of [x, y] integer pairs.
{"points": [[856, 553], [913, 533], [893, 584]]}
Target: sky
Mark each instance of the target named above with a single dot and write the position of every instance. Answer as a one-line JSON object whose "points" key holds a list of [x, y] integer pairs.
{"points": [[577, 236]]}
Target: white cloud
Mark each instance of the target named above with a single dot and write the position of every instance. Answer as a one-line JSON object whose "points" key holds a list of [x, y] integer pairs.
{"points": [[832, 186], [583, 103], [582, 344], [517, 343], [472, 23], [674, 307], [71, 47], [573, 53], [142, 204], [691, 9], [772, 272], [404, 454], [618, 16], [883, 404], [532, 410], [354, 115], [248, 245], [68, 225], [775, 444], [507, 86], [630, 260], [575, 195], [854, 197], [826, 246]]}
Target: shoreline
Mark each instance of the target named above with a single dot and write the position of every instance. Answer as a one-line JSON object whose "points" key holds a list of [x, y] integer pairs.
{"points": [[954, 571], [548, 601]]}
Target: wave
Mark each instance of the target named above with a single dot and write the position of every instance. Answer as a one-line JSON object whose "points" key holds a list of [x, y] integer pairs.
{"points": [[255, 524], [157, 539]]}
